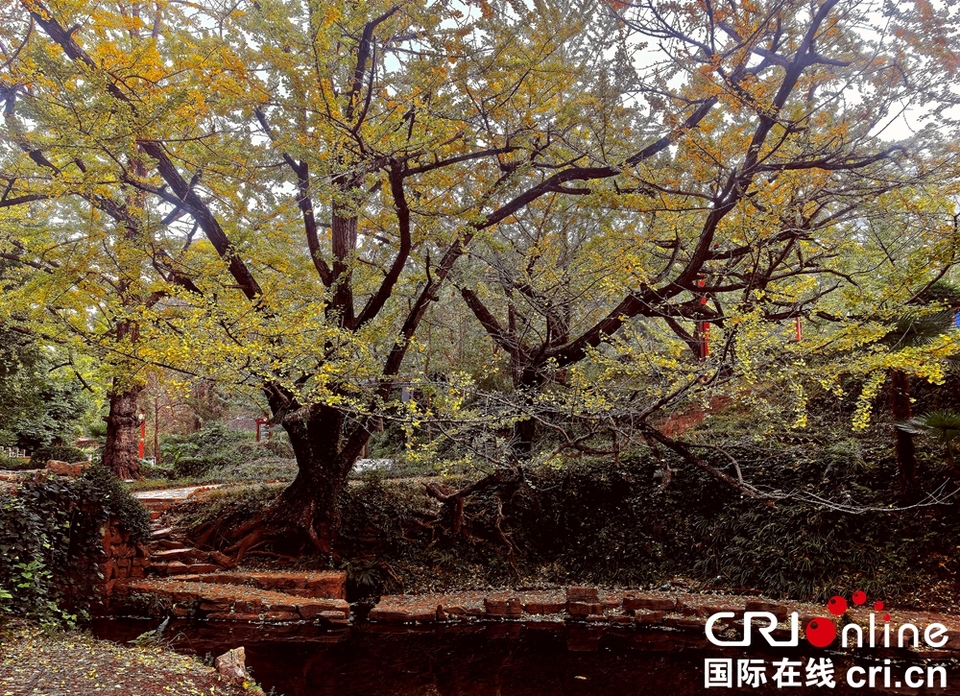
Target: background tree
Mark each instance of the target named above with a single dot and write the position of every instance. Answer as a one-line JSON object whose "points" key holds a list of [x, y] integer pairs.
{"points": [[41, 401]]}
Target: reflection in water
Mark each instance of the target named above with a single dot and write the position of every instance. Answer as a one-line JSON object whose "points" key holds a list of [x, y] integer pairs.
{"points": [[505, 659]]}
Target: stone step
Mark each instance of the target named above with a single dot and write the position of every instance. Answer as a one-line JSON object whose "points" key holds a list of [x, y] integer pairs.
{"points": [[160, 504], [161, 532], [182, 553], [585, 604], [240, 603], [329, 584]]}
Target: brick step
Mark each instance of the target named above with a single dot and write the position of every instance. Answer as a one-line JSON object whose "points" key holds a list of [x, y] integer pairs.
{"points": [[240, 603], [574, 603], [152, 504], [325, 584], [183, 554], [179, 568]]}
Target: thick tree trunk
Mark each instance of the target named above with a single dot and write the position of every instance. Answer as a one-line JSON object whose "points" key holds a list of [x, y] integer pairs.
{"points": [[325, 453], [524, 434], [527, 379], [120, 453], [905, 449]]}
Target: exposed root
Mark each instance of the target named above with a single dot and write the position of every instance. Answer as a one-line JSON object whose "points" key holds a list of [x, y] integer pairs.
{"points": [[242, 546], [453, 501], [511, 557], [278, 523], [204, 533]]}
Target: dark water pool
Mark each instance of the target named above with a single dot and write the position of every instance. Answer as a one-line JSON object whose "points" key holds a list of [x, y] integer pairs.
{"points": [[508, 660]]}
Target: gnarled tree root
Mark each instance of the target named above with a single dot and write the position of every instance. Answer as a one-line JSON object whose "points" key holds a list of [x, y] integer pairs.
{"points": [[452, 513]]}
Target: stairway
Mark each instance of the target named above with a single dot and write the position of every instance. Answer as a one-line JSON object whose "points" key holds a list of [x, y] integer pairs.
{"points": [[189, 582]]}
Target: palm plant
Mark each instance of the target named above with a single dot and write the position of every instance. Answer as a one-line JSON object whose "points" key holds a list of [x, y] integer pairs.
{"points": [[910, 331], [941, 425]]}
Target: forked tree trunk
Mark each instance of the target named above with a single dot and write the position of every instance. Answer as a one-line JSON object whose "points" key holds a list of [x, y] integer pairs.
{"points": [[121, 450], [311, 503], [905, 449], [524, 434]]}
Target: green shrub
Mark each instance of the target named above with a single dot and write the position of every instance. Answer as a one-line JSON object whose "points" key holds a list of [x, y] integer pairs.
{"points": [[57, 452], [119, 503], [598, 521], [195, 454], [15, 463], [50, 542]]}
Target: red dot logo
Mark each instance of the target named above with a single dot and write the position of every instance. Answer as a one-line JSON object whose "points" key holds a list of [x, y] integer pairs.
{"points": [[859, 598], [878, 606], [837, 605], [820, 632]]}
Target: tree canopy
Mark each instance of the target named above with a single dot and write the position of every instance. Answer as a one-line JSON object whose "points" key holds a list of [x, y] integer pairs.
{"points": [[281, 193]]}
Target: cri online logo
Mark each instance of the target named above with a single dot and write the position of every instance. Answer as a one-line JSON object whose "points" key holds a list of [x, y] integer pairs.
{"points": [[821, 632]]}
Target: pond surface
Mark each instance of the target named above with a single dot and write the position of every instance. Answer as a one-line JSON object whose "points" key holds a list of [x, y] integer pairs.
{"points": [[507, 659]]}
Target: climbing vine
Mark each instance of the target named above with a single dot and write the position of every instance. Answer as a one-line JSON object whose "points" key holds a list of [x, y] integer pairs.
{"points": [[50, 542]]}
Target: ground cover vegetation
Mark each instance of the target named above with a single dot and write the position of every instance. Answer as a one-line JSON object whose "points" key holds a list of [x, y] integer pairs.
{"points": [[61, 663], [501, 239]]}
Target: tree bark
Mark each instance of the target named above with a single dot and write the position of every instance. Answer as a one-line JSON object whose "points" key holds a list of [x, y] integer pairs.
{"points": [[905, 449], [326, 450], [120, 452]]}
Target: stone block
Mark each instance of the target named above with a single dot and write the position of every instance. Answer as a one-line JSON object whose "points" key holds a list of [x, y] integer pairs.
{"points": [[334, 618], [778, 610], [55, 466], [685, 622], [161, 533], [648, 617], [281, 606], [495, 607], [330, 584], [174, 568], [584, 608], [231, 616], [311, 610], [279, 616], [248, 606], [589, 595], [649, 602], [539, 607], [397, 615], [216, 606], [166, 555]]}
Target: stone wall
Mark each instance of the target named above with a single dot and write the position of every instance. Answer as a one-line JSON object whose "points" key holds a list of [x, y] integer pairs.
{"points": [[124, 559]]}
